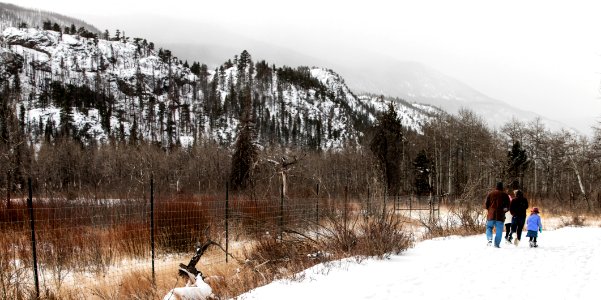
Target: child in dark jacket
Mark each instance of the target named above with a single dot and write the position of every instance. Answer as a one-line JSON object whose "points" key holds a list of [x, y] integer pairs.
{"points": [[518, 208], [534, 226]]}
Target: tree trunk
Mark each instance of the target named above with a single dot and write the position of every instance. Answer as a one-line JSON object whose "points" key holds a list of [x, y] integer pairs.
{"points": [[535, 179], [8, 188], [284, 184], [580, 184], [450, 182]]}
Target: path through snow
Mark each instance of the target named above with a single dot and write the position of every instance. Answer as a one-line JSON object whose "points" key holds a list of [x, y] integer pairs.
{"points": [[566, 265]]}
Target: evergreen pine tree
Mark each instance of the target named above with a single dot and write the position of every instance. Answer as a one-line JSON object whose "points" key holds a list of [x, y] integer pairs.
{"points": [[517, 162], [195, 68], [422, 172], [47, 25], [133, 133], [386, 146], [246, 151]]}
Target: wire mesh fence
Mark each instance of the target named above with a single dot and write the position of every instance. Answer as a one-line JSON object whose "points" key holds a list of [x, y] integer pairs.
{"points": [[87, 247]]}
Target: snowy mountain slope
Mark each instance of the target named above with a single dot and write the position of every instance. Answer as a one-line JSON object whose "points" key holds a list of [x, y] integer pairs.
{"points": [[134, 91], [417, 82], [412, 81], [13, 15], [9, 63], [564, 266], [105, 67], [412, 115]]}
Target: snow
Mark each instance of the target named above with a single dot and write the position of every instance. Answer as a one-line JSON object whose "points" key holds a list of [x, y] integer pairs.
{"points": [[413, 116], [564, 266]]}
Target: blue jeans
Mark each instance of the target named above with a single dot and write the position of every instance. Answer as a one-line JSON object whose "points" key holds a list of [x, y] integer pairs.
{"points": [[499, 231]]}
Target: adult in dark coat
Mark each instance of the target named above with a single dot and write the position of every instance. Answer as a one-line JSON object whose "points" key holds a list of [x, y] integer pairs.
{"points": [[496, 204], [518, 208]]}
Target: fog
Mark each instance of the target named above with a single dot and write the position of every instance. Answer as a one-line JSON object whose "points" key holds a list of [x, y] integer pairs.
{"points": [[539, 56]]}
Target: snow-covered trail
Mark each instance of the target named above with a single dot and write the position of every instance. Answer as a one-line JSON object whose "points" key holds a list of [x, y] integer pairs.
{"points": [[566, 265]]}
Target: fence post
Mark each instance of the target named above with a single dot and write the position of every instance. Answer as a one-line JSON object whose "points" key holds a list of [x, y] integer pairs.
{"points": [[438, 209], [410, 199], [317, 206], [33, 243], [152, 227], [431, 210], [368, 203], [281, 221], [345, 210], [384, 202], [227, 217], [317, 211]]}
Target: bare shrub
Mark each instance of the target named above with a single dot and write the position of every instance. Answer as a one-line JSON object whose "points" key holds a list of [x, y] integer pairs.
{"points": [[471, 218], [339, 234], [57, 257], [357, 233], [14, 278], [382, 235], [574, 220], [437, 227], [270, 258], [288, 253], [463, 218]]}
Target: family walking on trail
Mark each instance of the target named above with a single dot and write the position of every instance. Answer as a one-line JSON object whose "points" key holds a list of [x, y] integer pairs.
{"points": [[501, 208]]}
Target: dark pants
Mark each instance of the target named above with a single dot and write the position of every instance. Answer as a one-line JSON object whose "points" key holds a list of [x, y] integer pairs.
{"points": [[517, 225], [507, 229]]}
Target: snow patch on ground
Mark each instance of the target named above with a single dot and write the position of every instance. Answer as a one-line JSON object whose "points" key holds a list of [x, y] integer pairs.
{"points": [[565, 266]]}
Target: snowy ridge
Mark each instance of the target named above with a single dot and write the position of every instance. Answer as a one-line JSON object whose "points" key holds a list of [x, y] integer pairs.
{"points": [[13, 16], [412, 115], [109, 67], [141, 93]]}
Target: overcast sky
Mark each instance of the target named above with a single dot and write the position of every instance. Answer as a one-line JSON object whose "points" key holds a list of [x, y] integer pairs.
{"points": [[542, 56]]}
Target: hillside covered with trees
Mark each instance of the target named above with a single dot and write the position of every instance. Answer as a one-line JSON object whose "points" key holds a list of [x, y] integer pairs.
{"points": [[94, 114]]}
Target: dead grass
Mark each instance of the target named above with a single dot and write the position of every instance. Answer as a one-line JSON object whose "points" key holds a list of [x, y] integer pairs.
{"points": [[181, 221], [254, 217], [102, 251], [14, 283], [133, 285]]}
